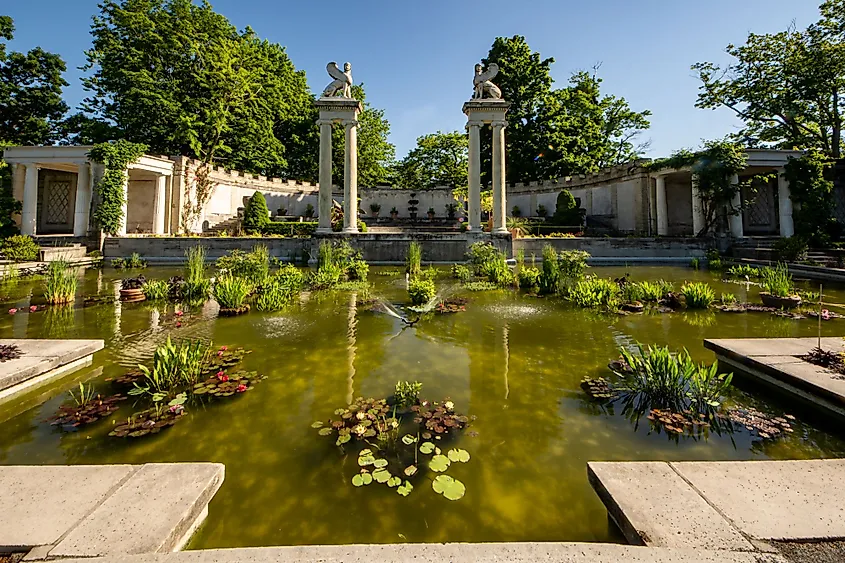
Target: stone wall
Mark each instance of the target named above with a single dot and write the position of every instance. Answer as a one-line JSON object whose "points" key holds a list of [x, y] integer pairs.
{"points": [[640, 249], [437, 198]]}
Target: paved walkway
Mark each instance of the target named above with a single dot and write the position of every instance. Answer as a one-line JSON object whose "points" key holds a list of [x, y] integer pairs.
{"points": [[730, 505], [776, 362], [42, 361], [94, 510], [451, 553]]}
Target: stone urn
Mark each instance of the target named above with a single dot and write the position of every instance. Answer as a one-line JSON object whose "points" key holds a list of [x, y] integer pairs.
{"points": [[234, 312], [788, 302], [132, 295]]}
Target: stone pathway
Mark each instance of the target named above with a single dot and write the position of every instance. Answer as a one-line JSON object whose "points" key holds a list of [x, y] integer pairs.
{"points": [[95, 510], [776, 362], [731, 505], [42, 361]]}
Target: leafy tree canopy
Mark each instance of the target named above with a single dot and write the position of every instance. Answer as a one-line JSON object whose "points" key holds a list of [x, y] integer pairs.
{"points": [[788, 87], [439, 159], [558, 132]]}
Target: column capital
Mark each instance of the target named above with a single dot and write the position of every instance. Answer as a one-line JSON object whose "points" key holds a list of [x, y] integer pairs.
{"points": [[476, 124], [350, 123], [501, 124], [322, 122]]}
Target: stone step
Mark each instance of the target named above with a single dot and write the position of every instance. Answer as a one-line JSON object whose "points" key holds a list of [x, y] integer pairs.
{"points": [[90, 511]]}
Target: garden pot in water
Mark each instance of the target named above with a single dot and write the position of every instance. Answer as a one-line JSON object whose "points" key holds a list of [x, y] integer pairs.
{"points": [[234, 312], [790, 302], [130, 295]]}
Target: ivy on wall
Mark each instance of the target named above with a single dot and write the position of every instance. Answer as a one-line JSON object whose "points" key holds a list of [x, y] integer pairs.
{"points": [[115, 157], [813, 196], [714, 166]]}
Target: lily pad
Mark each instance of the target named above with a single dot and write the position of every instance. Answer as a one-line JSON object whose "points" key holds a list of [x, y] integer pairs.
{"points": [[317, 424], [394, 481], [366, 460], [362, 479], [426, 448], [381, 475], [405, 489], [409, 439], [365, 451], [411, 470], [449, 487], [458, 455], [379, 463], [342, 439], [439, 463], [325, 431]]}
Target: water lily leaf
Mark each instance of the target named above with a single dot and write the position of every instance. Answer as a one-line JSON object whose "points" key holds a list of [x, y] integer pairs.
{"points": [[426, 435], [358, 480], [394, 481], [405, 489], [437, 450], [411, 470], [317, 424], [439, 463], [367, 478], [426, 448], [458, 455], [339, 411], [365, 451], [366, 460], [342, 439], [381, 475], [325, 431], [408, 439], [449, 487], [379, 463]]}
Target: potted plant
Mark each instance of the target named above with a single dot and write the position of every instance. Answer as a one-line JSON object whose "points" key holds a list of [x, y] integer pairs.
{"points": [[777, 288], [131, 289], [542, 211], [412, 205], [309, 211], [282, 211], [430, 213], [451, 208], [516, 211], [374, 209], [394, 213]]}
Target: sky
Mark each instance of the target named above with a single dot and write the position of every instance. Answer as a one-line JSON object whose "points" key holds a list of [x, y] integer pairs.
{"points": [[416, 58]]}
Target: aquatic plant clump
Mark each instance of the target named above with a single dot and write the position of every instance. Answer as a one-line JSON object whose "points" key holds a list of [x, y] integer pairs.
{"points": [[231, 292], [9, 352], [596, 293], [61, 283], [253, 265], [421, 291], [227, 384], [151, 421], [156, 290], [88, 407], [777, 281], [698, 295], [195, 285]]}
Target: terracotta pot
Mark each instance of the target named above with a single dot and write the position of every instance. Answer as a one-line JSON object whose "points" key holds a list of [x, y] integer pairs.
{"points": [[790, 302], [234, 312], [131, 295]]}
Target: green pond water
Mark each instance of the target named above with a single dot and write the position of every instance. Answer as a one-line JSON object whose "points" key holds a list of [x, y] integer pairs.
{"points": [[513, 361]]}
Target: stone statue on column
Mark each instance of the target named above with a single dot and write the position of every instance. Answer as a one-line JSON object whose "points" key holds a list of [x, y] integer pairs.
{"points": [[342, 83], [482, 85]]}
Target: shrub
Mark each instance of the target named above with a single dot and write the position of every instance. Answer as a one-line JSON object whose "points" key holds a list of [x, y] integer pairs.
{"points": [[231, 292], [496, 270], [357, 270], [792, 249], [595, 293], [542, 211], [20, 248], [421, 291], [254, 265], [698, 295], [516, 211], [777, 281], [61, 283], [289, 275], [461, 273], [572, 265], [309, 211], [256, 214], [567, 212], [413, 260], [156, 290], [375, 207], [289, 228]]}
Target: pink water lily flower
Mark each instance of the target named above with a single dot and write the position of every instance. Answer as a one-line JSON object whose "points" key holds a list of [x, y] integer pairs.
{"points": [[12, 311], [33, 308], [224, 348], [825, 314], [179, 313], [178, 324], [241, 388], [220, 352]]}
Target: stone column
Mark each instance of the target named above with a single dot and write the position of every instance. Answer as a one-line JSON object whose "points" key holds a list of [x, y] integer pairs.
{"points": [[350, 177], [787, 226], [697, 211], [18, 179], [82, 206], [121, 229], [30, 200], [499, 196], [474, 189], [735, 221], [662, 210], [324, 205], [160, 205]]}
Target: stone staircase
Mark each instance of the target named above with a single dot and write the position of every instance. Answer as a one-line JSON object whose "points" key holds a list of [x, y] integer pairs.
{"points": [[227, 225]]}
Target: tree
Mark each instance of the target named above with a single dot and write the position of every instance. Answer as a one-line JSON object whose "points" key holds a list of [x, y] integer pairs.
{"points": [[439, 159], [788, 87], [558, 132], [31, 84], [256, 214]]}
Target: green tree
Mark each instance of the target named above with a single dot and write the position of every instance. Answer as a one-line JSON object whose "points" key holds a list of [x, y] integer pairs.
{"points": [[439, 159], [256, 214], [558, 132], [788, 87], [31, 105]]}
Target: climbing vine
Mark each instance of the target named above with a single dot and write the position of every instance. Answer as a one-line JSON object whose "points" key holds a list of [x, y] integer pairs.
{"points": [[115, 157], [715, 165], [813, 194]]}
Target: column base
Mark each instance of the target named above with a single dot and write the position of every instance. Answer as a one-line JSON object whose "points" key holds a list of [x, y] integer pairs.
{"points": [[501, 231], [350, 230], [323, 231]]}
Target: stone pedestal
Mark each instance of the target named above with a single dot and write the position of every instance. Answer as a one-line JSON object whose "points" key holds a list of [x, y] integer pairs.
{"points": [[344, 111], [479, 113]]}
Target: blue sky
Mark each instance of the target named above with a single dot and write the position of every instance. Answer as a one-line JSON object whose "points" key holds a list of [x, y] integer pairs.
{"points": [[416, 58]]}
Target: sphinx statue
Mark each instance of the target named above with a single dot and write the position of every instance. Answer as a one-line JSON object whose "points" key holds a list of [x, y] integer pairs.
{"points": [[342, 83], [482, 85]]}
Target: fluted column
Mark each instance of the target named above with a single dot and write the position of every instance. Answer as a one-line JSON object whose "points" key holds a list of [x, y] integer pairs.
{"points": [[82, 206], [499, 197], [662, 210], [124, 215], [159, 206], [735, 219], [787, 225], [30, 200], [697, 212], [474, 189], [18, 179], [324, 205], [350, 178]]}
